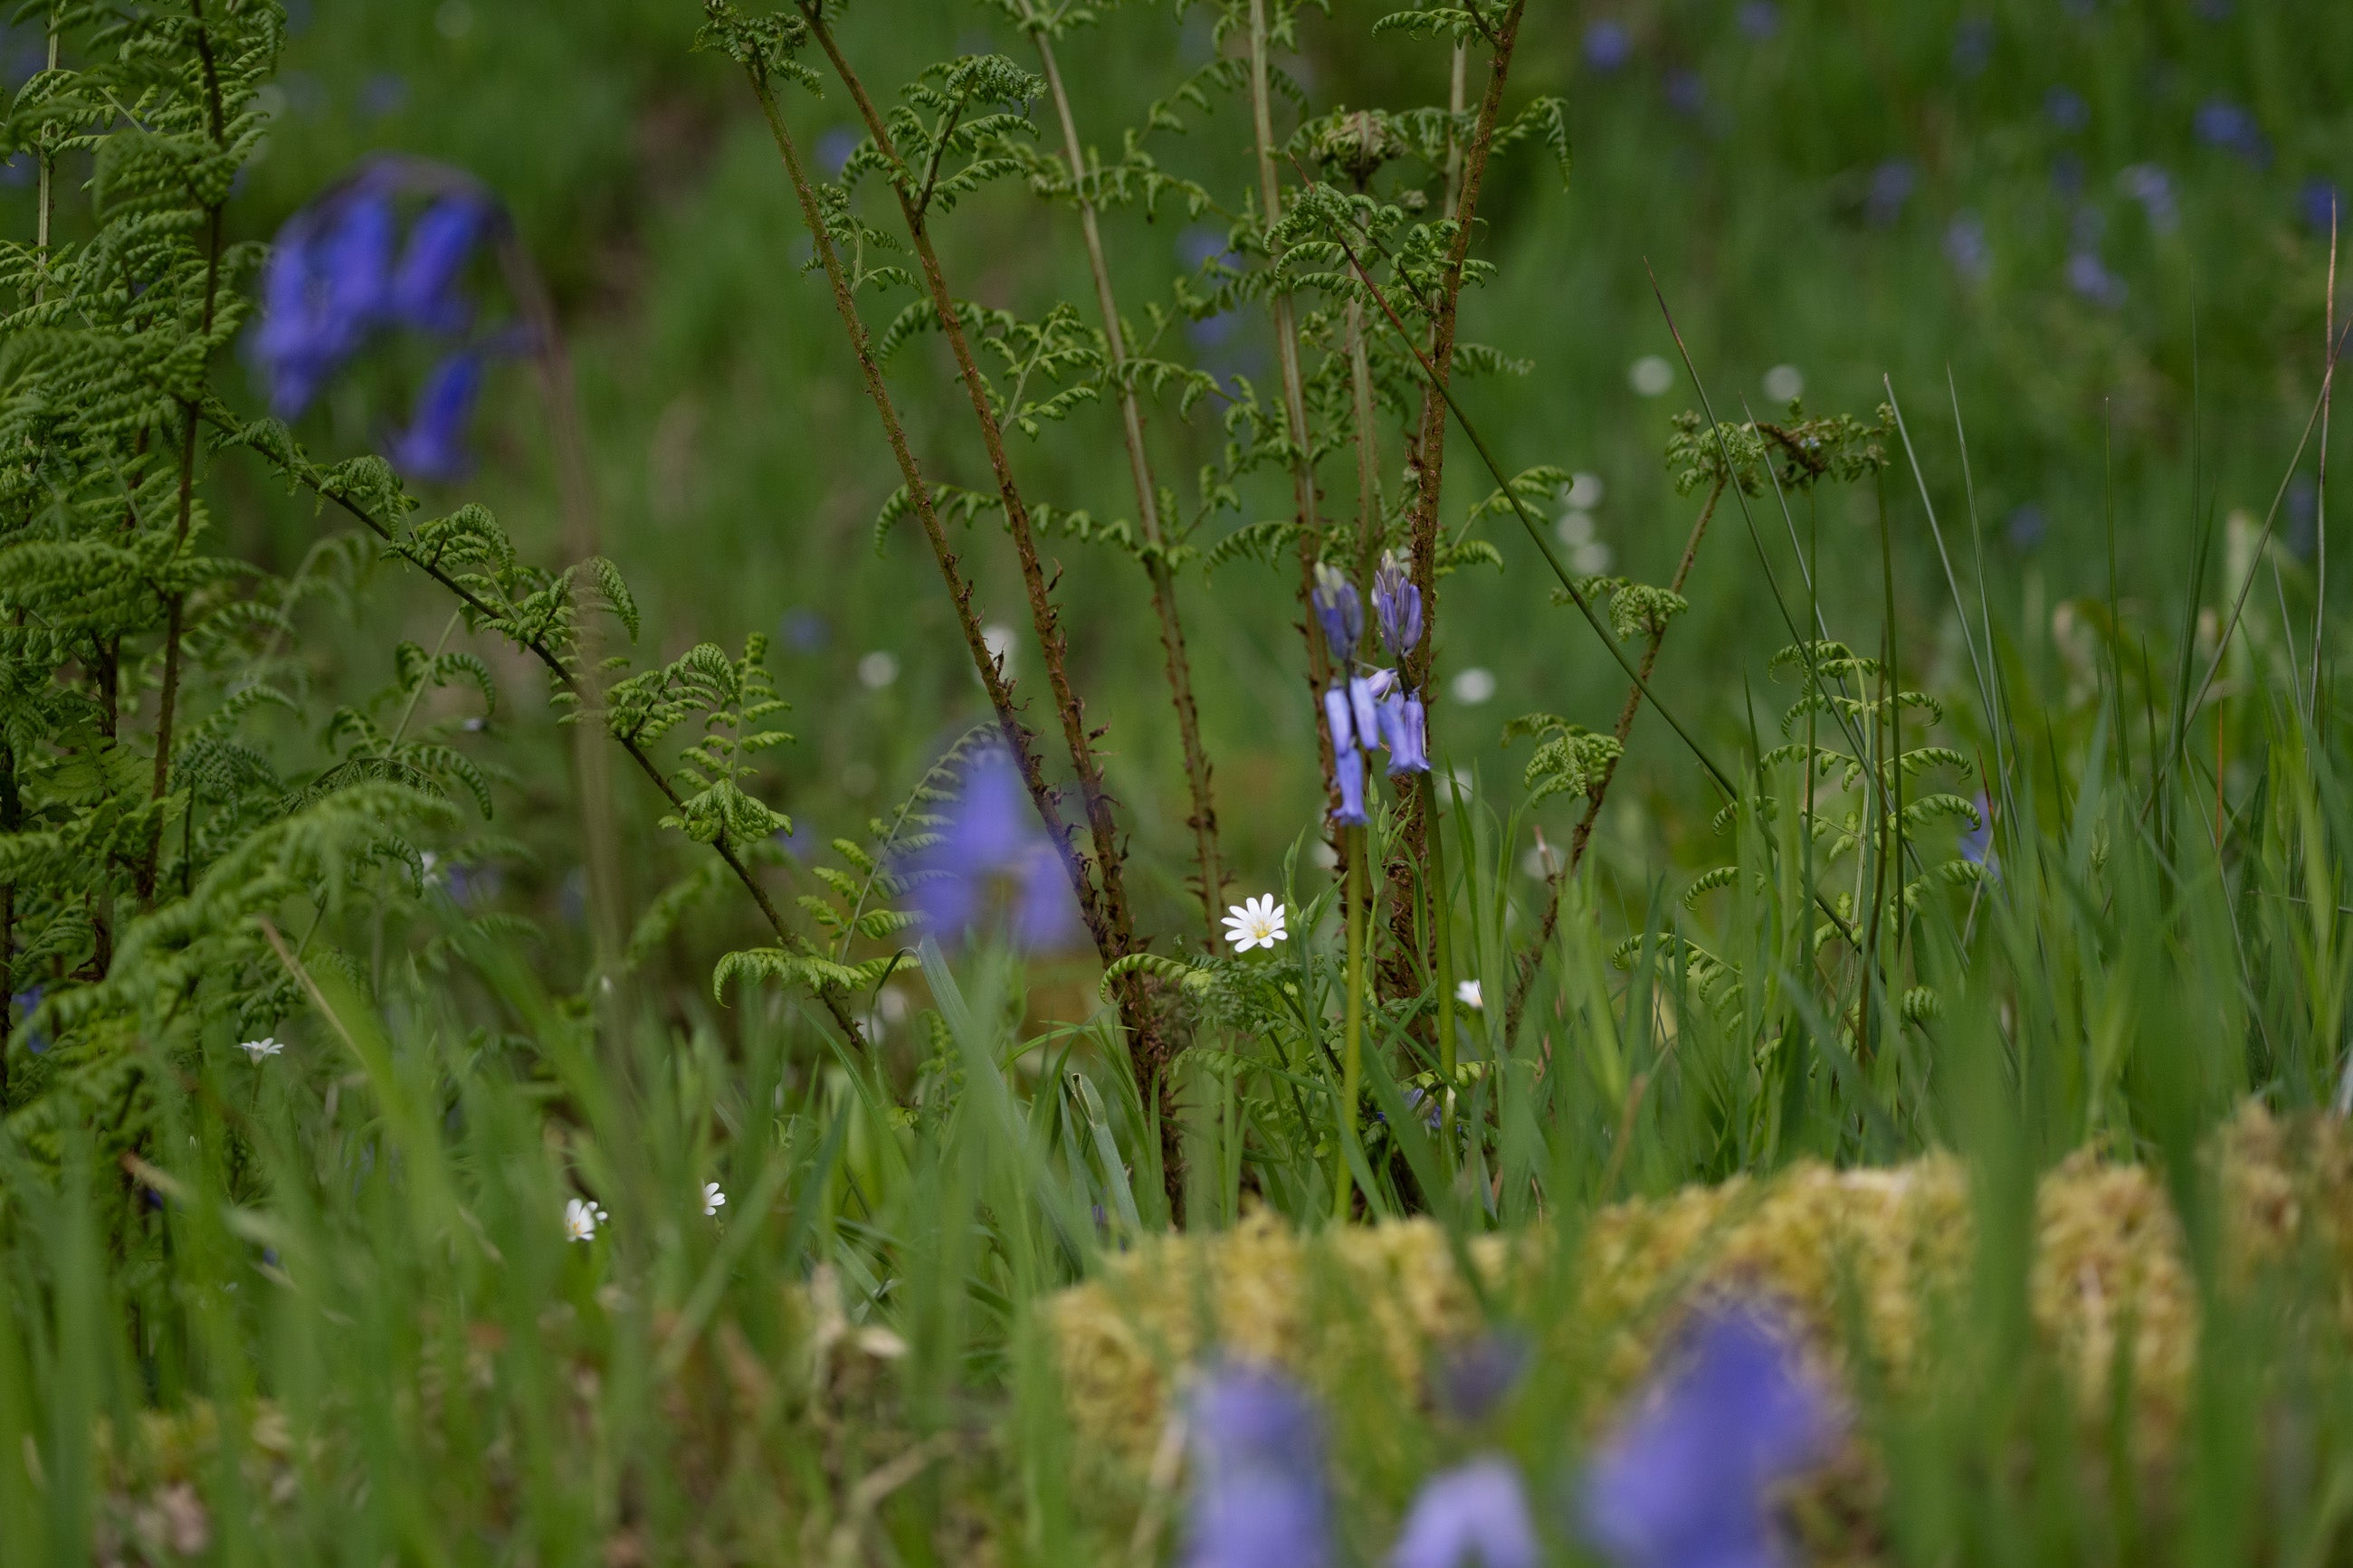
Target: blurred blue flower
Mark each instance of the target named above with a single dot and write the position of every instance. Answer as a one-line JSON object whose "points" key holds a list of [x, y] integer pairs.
{"points": [[1891, 188], [26, 1002], [433, 448], [1977, 842], [988, 841], [298, 16], [2090, 277], [1477, 1377], [1340, 610], [1686, 92], [2067, 174], [2152, 187], [1685, 1480], [382, 94], [2067, 108], [2219, 122], [1973, 41], [324, 289], [1967, 248], [1760, 19], [2026, 527], [1258, 1499], [1607, 46], [1473, 1516], [801, 842], [834, 146], [441, 242], [1396, 606], [2303, 516], [2321, 205], [21, 169], [804, 629]]}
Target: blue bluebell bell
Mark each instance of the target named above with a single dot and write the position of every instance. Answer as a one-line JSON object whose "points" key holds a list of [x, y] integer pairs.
{"points": [[1259, 1497], [1760, 19], [1686, 92], [1475, 1515], [2090, 277], [2321, 205], [27, 1003], [2219, 122], [1474, 1379], [1348, 779], [2067, 108], [326, 289], [990, 839], [1687, 1478], [1396, 606], [1967, 247], [1365, 693], [425, 292], [433, 448], [1607, 46], [1891, 188], [2152, 187], [1973, 41], [1340, 610]]}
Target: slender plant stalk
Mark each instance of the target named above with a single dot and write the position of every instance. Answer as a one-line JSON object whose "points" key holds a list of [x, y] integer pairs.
{"points": [[1442, 941], [1430, 452], [1294, 385], [1179, 669], [191, 419], [1117, 934], [1352, 1059], [1532, 954], [2320, 488]]}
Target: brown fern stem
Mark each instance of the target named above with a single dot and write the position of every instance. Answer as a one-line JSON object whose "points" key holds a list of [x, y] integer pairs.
{"points": [[1557, 883]]}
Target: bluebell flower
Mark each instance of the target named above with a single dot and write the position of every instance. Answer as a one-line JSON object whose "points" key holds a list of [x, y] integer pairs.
{"points": [[834, 146], [383, 93], [1967, 248], [2090, 277], [1475, 1378], [1891, 188], [424, 284], [1340, 610], [2321, 205], [805, 630], [2219, 122], [326, 287], [1404, 726], [1348, 779], [1760, 19], [1475, 1515], [1258, 1499], [1973, 41], [2067, 174], [2067, 108], [2152, 187], [1977, 843], [2026, 527], [27, 1002], [1686, 92], [1686, 1480], [1365, 706], [990, 840], [1607, 46], [1396, 606], [433, 448]]}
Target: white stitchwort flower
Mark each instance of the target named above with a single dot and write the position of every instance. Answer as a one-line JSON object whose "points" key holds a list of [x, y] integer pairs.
{"points": [[261, 1048], [713, 1200], [581, 1218], [1255, 922], [1469, 994]]}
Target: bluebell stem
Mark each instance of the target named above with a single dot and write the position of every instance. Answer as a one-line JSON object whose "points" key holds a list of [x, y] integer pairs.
{"points": [[1475, 1515], [1397, 605], [1687, 1478], [1342, 613], [434, 447], [989, 839], [424, 292], [1258, 1499]]}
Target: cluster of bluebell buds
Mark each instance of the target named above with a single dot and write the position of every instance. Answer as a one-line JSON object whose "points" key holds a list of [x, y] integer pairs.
{"points": [[1374, 708]]}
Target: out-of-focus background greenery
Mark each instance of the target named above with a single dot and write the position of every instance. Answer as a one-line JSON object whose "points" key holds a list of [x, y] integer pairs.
{"points": [[2107, 222]]}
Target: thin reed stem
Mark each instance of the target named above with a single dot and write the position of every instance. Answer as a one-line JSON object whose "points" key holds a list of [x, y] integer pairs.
{"points": [[1294, 386], [1208, 863], [1532, 955]]}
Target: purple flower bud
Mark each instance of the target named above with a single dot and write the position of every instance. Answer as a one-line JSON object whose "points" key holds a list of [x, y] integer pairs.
{"points": [[1475, 1515], [1348, 778], [1396, 605], [1259, 1496], [424, 286], [1335, 714], [1341, 611], [432, 448]]}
